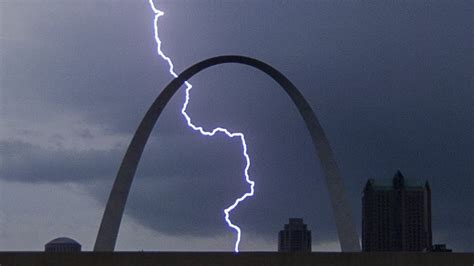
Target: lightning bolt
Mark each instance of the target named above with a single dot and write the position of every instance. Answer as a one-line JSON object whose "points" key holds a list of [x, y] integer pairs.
{"points": [[200, 129]]}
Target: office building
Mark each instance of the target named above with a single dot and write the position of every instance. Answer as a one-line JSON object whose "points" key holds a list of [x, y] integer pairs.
{"points": [[396, 215], [295, 237]]}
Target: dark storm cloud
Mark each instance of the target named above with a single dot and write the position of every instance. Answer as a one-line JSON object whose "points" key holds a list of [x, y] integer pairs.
{"points": [[29, 163], [390, 81]]}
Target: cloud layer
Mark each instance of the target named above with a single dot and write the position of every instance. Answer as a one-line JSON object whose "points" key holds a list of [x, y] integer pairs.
{"points": [[390, 83]]}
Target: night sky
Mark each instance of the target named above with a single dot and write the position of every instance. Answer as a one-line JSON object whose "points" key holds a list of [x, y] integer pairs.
{"points": [[391, 82]]}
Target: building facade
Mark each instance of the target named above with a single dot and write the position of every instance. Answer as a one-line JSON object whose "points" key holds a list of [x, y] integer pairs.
{"points": [[295, 237], [396, 215]]}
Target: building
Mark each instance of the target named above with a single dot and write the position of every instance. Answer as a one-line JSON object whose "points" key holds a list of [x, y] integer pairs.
{"points": [[62, 244], [294, 237], [440, 248], [396, 215]]}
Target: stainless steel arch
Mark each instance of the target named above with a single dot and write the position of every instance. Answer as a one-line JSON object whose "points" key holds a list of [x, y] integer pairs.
{"points": [[109, 227]]}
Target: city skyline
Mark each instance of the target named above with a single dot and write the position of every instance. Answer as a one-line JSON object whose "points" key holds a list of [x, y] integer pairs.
{"points": [[392, 93]]}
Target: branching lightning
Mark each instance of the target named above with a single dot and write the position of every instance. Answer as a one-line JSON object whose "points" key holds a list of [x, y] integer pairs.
{"points": [[200, 129]]}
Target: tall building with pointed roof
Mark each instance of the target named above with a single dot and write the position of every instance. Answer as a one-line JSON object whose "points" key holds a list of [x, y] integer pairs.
{"points": [[396, 215]]}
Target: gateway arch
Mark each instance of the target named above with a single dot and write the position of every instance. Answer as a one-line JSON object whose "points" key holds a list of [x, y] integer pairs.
{"points": [[110, 224]]}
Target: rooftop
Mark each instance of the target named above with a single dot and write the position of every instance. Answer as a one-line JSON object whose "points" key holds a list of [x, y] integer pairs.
{"points": [[389, 183], [62, 240]]}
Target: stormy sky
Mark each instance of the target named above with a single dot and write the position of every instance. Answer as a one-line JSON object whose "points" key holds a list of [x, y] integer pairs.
{"points": [[391, 82]]}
